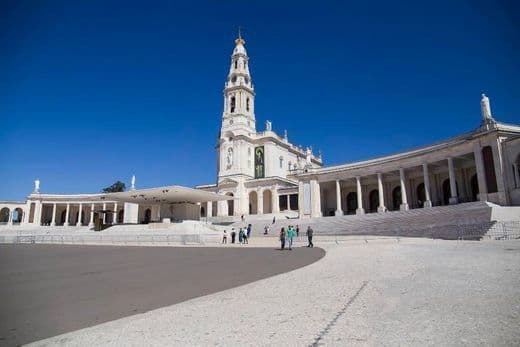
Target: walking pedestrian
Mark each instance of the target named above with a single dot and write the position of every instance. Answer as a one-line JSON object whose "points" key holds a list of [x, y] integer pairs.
{"points": [[274, 219], [224, 237], [310, 232], [249, 231], [298, 231], [233, 235], [245, 237], [282, 239], [290, 236], [240, 236], [266, 230]]}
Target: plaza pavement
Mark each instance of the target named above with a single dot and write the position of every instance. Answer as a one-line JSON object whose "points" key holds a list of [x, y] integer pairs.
{"points": [[389, 292], [46, 290]]}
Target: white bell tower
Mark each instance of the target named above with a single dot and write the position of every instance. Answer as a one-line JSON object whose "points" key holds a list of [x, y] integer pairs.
{"points": [[239, 94]]}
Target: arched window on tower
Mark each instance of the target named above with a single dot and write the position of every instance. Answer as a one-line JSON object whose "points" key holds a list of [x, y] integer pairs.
{"points": [[236, 64], [247, 104], [232, 104]]}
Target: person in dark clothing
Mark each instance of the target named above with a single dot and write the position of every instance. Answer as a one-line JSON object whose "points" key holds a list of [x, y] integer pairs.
{"points": [[310, 232], [249, 231], [282, 239], [274, 219], [240, 235], [233, 235], [298, 231]]}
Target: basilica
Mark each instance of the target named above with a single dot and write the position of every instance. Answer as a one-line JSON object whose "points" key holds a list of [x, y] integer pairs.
{"points": [[263, 173]]}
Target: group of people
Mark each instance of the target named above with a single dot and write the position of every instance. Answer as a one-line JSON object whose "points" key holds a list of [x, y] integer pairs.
{"points": [[286, 236], [243, 235], [289, 236]]}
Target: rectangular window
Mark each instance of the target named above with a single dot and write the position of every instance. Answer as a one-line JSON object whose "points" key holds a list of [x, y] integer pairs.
{"points": [[259, 162]]}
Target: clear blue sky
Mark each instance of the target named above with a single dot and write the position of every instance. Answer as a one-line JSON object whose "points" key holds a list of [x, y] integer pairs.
{"points": [[94, 91]]}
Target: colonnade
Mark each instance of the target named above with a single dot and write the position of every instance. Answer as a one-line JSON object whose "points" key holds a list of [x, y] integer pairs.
{"points": [[242, 208], [487, 171], [83, 210]]}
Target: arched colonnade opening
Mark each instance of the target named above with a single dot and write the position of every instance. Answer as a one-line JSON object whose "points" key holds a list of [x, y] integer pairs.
{"points": [[4, 215]]}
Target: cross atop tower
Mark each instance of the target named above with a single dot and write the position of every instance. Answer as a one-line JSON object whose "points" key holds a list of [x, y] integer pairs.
{"points": [[240, 40]]}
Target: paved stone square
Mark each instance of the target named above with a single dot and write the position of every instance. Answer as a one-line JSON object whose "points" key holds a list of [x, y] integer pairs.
{"points": [[47, 290], [377, 292]]}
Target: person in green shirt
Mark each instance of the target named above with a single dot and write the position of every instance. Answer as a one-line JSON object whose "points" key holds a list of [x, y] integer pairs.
{"points": [[290, 236]]}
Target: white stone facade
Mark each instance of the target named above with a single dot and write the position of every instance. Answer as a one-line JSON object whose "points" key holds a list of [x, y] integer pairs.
{"points": [[262, 173], [254, 167], [482, 164]]}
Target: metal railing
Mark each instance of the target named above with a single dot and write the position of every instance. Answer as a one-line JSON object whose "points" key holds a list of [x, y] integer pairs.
{"points": [[185, 239]]}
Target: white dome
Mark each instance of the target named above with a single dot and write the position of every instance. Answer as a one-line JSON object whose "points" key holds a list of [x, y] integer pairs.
{"points": [[239, 48]]}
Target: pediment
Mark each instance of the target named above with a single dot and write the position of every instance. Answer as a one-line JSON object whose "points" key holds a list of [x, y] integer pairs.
{"points": [[228, 182]]}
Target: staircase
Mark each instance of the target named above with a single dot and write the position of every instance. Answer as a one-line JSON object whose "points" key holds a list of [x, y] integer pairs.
{"points": [[462, 221]]}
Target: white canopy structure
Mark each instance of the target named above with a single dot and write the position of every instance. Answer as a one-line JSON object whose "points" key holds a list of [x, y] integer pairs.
{"points": [[164, 195]]}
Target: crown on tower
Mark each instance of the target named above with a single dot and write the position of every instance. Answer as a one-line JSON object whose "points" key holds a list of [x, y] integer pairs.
{"points": [[240, 40]]}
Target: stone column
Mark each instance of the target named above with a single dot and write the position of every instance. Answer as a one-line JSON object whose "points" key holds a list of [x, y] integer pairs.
{"points": [[288, 202], [453, 182], [315, 199], [91, 221], [517, 175], [426, 174], [27, 212], [260, 202], [481, 173], [498, 160], [114, 216], [10, 217], [222, 208], [209, 209], [104, 214], [53, 221], [67, 216], [381, 207], [404, 198], [38, 213], [300, 199], [80, 214], [339, 211], [360, 209], [275, 202]]}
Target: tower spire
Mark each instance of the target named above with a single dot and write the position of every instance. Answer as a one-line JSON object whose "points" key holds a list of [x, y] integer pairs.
{"points": [[240, 40]]}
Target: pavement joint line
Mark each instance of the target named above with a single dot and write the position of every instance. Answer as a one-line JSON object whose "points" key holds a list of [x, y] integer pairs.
{"points": [[341, 312]]}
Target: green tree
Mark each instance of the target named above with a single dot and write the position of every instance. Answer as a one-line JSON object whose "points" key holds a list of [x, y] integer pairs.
{"points": [[115, 188]]}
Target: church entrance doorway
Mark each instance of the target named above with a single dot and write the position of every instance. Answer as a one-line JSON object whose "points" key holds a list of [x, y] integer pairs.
{"points": [[231, 205], [421, 195], [253, 202], [147, 216], [351, 203], [396, 197], [373, 199]]}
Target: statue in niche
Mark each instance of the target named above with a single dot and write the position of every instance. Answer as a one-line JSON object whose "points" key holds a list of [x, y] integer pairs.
{"points": [[229, 158]]}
